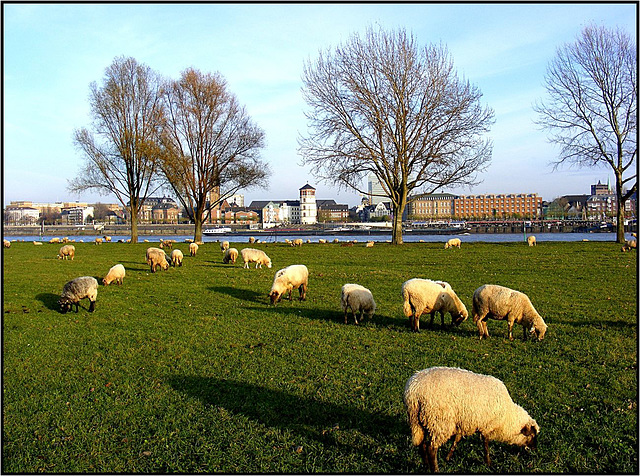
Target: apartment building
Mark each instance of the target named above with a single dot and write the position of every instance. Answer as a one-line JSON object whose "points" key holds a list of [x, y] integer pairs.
{"points": [[430, 206], [521, 205]]}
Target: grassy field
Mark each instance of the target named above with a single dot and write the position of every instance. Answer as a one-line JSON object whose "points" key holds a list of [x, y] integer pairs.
{"points": [[192, 370]]}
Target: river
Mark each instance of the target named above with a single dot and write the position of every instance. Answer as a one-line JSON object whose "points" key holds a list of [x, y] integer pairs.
{"points": [[381, 238]]}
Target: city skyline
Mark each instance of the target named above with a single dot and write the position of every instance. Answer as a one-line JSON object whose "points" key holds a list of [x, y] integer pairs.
{"points": [[54, 51]]}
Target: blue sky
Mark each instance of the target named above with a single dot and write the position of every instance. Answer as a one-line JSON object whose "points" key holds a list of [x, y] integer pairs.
{"points": [[52, 52]]}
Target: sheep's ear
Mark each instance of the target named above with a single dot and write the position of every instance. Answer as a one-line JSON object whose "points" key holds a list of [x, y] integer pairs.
{"points": [[529, 430]]}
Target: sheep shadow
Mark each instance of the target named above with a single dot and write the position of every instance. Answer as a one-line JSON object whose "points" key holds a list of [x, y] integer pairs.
{"points": [[304, 416], [49, 300], [237, 293]]}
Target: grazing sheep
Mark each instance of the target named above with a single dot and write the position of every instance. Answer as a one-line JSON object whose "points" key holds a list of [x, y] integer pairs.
{"points": [[167, 243], [54, 240], [67, 251], [107, 239], [322, 241], [629, 245], [6, 243], [252, 240], [359, 299], [297, 242], [425, 296], [193, 249], [37, 243], [156, 257], [287, 241], [336, 240], [443, 402], [77, 289], [98, 241], [224, 246], [286, 279], [369, 244], [498, 302], [259, 257], [531, 240], [453, 242], [176, 258], [116, 273], [230, 255]]}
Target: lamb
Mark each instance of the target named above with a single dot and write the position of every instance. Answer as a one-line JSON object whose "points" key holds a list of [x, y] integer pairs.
{"points": [[453, 242], [443, 401], [6, 243], [77, 289], [498, 302], [359, 299], [297, 242], [156, 257], [193, 249], [116, 273], [224, 246], [259, 257], [286, 279], [176, 258], [426, 296], [98, 241], [531, 240], [67, 251], [629, 245], [230, 255]]}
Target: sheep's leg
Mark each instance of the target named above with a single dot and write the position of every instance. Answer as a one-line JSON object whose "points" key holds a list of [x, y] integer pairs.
{"points": [[346, 312], [510, 327], [303, 292], [432, 315], [487, 458], [480, 325], [432, 454], [453, 446]]}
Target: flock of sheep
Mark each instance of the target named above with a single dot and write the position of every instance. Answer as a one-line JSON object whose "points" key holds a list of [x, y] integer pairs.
{"points": [[441, 402]]}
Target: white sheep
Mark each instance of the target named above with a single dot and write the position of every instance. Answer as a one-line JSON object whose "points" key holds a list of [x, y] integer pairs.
{"points": [[67, 251], [531, 240], [359, 299], [156, 257], [6, 243], [77, 289], [259, 257], [193, 248], [176, 257], [98, 241], [369, 244], [252, 240], [230, 255], [54, 240], [297, 242], [498, 302], [287, 279], [224, 246], [629, 245], [423, 296], [116, 273], [443, 402], [453, 242]]}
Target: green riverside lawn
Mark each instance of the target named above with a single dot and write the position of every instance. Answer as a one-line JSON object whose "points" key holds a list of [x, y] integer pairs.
{"points": [[192, 370]]}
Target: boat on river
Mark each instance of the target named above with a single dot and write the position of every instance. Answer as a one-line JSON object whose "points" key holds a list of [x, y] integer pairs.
{"points": [[218, 230]]}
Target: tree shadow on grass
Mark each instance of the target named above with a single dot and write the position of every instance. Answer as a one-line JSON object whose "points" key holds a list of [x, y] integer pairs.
{"points": [[305, 416]]}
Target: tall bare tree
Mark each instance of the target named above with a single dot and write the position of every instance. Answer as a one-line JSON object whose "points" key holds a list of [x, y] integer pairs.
{"points": [[211, 143], [122, 152], [591, 111], [381, 104]]}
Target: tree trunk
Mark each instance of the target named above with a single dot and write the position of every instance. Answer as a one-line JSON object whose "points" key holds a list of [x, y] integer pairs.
{"points": [[134, 224], [197, 219], [620, 210], [398, 209]]}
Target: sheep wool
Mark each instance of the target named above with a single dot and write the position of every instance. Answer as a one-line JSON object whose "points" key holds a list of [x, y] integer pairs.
{"points": [[76, 290], [193, 249], [453, 242], [176, 257], [116, 273], [252, 255], [67, 251], [491, 301], [531, 240], [156, 257], [288, 279], [359, 299], [224, 246], [230, 256], [442, 402], [423, 296]]}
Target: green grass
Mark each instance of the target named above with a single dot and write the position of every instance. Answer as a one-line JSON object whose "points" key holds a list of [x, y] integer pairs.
{"points": [[191, 370]]}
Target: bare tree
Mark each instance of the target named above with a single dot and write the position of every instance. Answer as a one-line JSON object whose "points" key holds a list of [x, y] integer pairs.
{"points": [[382, 105], [591, 112], [211, 145], [122, 151]]}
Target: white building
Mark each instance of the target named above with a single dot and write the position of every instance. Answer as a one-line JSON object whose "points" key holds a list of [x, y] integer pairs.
{"points": [[308, 206], [375, 192]]}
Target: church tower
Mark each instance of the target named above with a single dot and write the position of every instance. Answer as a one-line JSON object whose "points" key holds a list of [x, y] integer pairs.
{"points": [[308, 208]]}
